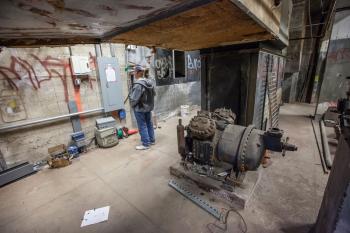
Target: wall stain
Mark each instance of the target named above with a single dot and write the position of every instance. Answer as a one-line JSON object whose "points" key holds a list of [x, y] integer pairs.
{"points": [[57, 4], [76, 26], [22, 29], [136, 7], [52, 23], [80, 12], [111, 11], [34, 10]]}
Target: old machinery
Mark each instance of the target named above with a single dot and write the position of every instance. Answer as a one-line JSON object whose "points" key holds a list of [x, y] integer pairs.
{"points": [[334, 212], [343, 108], [106, 132], [217, 148], [195, 199]]}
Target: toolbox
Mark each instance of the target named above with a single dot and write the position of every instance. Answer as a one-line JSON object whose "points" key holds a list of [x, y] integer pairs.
{"points": [[79, 140], [78, 136]]}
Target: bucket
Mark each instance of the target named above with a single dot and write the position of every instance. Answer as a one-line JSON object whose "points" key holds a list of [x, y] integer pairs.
{"points": [[185, 110]]}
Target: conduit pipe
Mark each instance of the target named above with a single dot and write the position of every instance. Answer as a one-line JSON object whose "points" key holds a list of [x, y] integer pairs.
{"points": [[325, 146], [12, 127]]}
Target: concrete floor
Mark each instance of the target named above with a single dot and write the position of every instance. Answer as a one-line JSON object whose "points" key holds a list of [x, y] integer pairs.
{"points": [[134, 184]]}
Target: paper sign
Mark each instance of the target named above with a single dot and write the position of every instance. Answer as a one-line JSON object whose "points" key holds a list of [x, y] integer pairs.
{"points": [[95, 216], [110, 74]]}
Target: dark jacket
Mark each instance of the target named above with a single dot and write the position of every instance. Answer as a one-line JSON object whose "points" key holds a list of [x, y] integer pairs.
{"points": [[142, 95]]}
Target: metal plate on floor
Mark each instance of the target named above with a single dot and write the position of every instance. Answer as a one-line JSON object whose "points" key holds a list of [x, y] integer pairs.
{"points": [[198, 201]]}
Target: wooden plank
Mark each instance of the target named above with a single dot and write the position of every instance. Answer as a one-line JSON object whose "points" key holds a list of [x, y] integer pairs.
{"points": [[265, 11], [215, 24]]}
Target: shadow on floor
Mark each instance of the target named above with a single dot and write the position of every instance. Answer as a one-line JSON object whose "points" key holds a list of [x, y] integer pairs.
{"points": [[300, 228]]}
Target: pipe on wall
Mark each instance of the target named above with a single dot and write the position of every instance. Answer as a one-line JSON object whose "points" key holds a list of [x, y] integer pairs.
{"points": [[13, 127]]}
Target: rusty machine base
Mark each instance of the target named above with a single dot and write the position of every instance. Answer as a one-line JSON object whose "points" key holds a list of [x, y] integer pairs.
{"points": [[212, 190]]}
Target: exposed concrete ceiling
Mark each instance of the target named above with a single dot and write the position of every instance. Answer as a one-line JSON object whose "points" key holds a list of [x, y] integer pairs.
{"points": [[69, 20], [177, 24]]}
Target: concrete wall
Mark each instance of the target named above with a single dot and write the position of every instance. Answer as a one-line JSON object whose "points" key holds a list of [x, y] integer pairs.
{"points": [[169, 98], [294, 74], [36, 83], [170, 93], [338, 59]]}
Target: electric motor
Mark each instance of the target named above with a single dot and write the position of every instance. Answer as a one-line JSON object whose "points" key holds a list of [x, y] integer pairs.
{"points": [[213, 139]]}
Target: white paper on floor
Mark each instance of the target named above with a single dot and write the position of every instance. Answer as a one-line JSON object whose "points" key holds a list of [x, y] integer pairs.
{"points": [[95, 216]]}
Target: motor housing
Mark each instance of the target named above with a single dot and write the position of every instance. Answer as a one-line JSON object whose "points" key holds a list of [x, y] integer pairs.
{"points": [[214, 145]]}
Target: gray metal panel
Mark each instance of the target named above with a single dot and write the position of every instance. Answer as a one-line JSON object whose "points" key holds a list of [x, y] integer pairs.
{"points": [[198, 201], [3, 165], [272, 90], [260, 94], [343, 224], [15, 173], [72, 106], [111, 83], [337, 68], [335, 194]]}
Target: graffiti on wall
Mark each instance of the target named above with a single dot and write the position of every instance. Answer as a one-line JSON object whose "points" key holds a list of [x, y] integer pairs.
{"points": [[164, 67], [339, 55], [20, 74], [193, 62], [12, 108]]}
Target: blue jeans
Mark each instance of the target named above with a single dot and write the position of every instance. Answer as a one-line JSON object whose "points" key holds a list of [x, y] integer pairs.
{"points": [[144, 123]]}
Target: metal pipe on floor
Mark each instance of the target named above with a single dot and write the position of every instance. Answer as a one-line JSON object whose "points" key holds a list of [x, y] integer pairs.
{"points": [[325, 146], [8, 128], [325, 171]]}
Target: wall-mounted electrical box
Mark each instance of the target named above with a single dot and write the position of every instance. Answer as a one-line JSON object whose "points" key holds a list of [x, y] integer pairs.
{"points": [[111, 83], [80, 65]]}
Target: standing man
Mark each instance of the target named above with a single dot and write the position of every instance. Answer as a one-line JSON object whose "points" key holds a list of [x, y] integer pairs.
{"points": [[142, 101]]}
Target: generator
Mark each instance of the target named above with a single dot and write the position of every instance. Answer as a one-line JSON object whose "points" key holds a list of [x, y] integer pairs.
{"points": [[106, 132], [106, 137], [211, 145]]}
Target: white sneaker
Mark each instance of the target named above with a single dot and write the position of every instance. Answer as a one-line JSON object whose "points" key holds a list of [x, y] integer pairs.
{"points": [[142, 147]]}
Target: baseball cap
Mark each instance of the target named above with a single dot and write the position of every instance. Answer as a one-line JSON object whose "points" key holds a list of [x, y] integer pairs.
{"points": [[139, 68]]}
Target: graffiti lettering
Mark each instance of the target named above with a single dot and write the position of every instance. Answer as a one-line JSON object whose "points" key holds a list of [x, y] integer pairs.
{"points": [[164, 67], [340, 55], [21, 72], [193, 63]]}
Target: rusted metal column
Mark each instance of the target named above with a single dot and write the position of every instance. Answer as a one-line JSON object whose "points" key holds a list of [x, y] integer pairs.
{"points": [[181, 138], [325, 146]]}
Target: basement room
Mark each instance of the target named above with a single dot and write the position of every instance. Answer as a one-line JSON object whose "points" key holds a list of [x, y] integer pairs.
{"points": [[165, 116]]}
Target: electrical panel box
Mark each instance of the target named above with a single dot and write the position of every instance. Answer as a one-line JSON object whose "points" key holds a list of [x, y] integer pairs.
{"points": [[80, 65], [111, 83]]}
